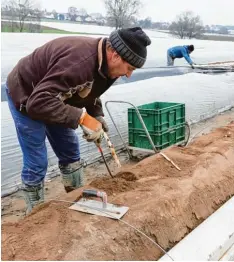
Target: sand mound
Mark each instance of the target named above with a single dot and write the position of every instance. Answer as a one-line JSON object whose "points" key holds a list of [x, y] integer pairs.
{"points": [[166, 204]]}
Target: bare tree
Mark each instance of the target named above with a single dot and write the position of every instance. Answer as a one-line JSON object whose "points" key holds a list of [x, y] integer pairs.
{"points": [[35, 18], [25, 9], [223, 31], [98, 17], [82, 12], [145, 23], [187, 25], [72, 13], [55, 14], [20, 10], [120, 13], [9, 10]]}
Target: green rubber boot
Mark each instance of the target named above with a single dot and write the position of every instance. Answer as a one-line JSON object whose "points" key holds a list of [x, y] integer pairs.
{"points": [[72, 175], [33, 195]]}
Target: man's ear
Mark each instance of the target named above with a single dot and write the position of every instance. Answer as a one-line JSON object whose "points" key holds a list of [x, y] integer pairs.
{"points": [[115, 57]]}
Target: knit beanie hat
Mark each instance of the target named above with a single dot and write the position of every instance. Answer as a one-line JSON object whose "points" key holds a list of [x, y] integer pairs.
{"points": [[130, 44], [191, 48]]}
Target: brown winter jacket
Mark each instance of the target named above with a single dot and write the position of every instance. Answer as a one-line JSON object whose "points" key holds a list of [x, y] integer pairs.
{"points": [[59, 78]]}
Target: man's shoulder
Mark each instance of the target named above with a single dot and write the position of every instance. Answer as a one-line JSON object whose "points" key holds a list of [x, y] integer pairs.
{"points": [[82, 42], [75, 38], [75, 49], [176, 47]]}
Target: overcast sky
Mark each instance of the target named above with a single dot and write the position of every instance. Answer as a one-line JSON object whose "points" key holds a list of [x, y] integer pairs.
{"points": [[211, 11]]}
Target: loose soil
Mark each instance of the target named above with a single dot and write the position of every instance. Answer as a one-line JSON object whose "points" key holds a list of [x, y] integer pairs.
{"points": [[164, 203]]}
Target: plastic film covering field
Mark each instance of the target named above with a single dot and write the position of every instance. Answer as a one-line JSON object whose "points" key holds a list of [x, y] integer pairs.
{"points": [[203, 95]]}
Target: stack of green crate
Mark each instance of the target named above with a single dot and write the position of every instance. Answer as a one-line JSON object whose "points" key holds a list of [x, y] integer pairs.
{"points": [[164, 121]]}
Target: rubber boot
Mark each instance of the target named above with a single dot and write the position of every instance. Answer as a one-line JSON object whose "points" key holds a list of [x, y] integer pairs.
{"points": [[72, 175], [33, 195]]}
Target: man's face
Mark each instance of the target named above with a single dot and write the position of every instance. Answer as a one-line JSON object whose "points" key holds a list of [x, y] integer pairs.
{"points": [[118, 67]]}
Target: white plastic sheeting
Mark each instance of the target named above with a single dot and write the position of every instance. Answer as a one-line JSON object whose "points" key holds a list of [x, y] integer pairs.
{"points": [[15, 46], [204, 96]]}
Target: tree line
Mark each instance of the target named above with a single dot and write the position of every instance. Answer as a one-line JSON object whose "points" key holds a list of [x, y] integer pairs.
{"points": [[119, 14]]}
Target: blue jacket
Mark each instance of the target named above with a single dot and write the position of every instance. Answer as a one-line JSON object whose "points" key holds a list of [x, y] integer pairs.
{"points": [[179, 52]]}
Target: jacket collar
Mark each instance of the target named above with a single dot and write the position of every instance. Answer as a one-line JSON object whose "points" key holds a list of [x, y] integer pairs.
{"points": [[186, 47], [102, 60]]}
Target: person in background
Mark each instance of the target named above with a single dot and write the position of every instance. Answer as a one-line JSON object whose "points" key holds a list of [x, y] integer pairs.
{"points": [[179, 52], [56, 89]]}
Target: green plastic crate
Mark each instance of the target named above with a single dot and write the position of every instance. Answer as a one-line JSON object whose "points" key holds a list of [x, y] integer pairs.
{"points": [[158, 116], [138, 138]]}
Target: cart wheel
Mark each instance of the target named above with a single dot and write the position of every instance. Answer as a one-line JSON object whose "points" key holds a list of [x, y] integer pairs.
{"points": [[187, 135], [133, 157]]}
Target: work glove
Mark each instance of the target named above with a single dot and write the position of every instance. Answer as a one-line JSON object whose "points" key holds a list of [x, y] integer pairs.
{"points": [[103, 122], [92, 128]]}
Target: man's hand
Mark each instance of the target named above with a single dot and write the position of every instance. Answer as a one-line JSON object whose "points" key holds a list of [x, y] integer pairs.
{"points": [[92, 128], [103, 122], [192, 65]]}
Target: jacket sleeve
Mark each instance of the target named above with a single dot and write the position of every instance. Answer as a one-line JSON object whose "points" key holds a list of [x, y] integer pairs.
{"points": [[95, 109], [186, 56], [46, 105]]}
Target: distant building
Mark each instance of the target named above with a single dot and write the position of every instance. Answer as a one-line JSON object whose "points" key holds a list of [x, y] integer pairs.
{"points": [[62, 16], [48, 15], [80, 16], [79, 19]]}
